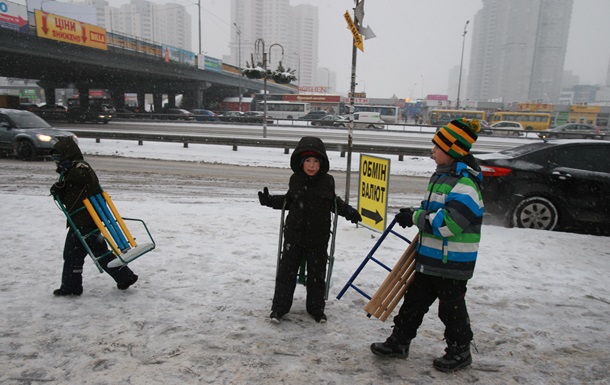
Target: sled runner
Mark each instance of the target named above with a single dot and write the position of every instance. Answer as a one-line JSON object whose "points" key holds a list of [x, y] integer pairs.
{"points": [[112, 227], [389, 294], [302, 274]]}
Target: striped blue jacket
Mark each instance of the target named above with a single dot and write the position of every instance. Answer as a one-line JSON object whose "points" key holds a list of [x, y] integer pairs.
{"points": [[449, 222]]}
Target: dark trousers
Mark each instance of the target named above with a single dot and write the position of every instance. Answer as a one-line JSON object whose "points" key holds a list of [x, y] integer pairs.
{"points": [[422, 293], [286, 280], [74, 259]]}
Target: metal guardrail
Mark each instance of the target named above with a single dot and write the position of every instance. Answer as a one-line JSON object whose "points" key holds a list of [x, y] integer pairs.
{"points": [[286, 144]]}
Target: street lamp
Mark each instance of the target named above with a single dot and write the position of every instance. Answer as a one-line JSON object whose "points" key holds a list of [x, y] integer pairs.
{"points": [[239, 61], [259, 47], [461, 62]]}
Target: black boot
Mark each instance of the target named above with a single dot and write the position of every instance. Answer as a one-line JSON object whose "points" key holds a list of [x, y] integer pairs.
{"points": [[128, 282], [456, 357], [392, 347], [63, 292]]}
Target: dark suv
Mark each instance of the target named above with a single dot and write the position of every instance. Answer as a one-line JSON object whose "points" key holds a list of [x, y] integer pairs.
{"points": [[95, 113], [27, 135]]}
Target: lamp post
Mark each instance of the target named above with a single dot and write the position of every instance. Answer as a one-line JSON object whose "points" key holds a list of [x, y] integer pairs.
{"points": [[239, 61], [461, 63], [259, 48]]}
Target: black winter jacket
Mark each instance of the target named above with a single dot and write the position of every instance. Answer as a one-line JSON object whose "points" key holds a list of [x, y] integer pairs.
{"points": [[310, 200], [77, 182]]}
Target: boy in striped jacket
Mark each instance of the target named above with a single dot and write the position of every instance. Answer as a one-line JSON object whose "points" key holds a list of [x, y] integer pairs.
{"points": [[449, 222]]}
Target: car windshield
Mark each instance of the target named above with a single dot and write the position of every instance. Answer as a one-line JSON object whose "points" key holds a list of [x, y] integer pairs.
{"points": [[28, 120]]}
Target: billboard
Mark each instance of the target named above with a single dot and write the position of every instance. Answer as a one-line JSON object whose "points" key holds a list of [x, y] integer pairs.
{"points": [[55, 27], [13, 16]]}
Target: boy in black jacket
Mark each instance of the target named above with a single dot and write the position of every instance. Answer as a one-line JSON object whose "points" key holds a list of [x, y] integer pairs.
{"points": [[310, 200], [79, 181]]}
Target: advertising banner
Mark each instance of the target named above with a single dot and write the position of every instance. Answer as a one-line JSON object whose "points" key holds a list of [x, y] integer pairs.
{"points": [[13, 16], [373, 191], [55, 27]]}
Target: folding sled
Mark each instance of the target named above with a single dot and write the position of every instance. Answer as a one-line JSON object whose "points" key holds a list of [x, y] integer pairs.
{"points": [[302, 275], [112, 227], [389, 294]]}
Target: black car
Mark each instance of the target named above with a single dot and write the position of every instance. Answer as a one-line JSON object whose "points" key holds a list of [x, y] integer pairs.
{"points": [[313, 115], [327, 120], [550, 185], [95, 113]]}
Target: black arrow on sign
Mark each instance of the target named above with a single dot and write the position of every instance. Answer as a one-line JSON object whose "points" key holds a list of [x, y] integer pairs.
{"points": [[372, 215]]}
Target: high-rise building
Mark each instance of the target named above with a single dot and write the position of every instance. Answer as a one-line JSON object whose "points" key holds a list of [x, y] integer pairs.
{"points": [[518, 50], [280, 25], [163, 23]]}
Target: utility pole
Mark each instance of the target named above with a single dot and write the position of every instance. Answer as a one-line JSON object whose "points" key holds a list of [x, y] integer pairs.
{"points": [[239, 62], [461, 61]]}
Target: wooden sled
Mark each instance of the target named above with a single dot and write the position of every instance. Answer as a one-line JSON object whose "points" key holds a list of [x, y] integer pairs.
{"points": [[395, 285], [113, 228], [389, 294], [302, 274]]}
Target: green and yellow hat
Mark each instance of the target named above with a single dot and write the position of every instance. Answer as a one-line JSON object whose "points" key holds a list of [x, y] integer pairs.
{"points": [[457, 137]]}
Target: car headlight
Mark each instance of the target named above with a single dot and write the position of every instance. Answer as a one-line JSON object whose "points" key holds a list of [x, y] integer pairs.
{"points": [[44, 138]]}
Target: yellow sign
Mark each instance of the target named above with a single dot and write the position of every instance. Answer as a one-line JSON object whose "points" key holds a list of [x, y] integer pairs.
{"points": [[71, 31], [352, 26], [373, 191]]}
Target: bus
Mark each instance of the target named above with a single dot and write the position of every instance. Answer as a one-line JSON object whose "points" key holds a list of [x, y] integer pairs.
{"points": [[280, 109], [531, 121], [389, 114], [442, 117]]}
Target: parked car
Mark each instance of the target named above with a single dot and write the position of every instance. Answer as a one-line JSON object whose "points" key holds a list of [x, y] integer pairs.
{"points": [[51, 111], [96, 114], [506, 128], [204, 115], [575, 131], [26, 135], [176, 114], [313, 115], [550, 185], [328, 120], [363, 119]]}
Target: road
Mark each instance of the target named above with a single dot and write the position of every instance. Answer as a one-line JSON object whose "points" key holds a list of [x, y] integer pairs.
{"points": [[185, 180]]}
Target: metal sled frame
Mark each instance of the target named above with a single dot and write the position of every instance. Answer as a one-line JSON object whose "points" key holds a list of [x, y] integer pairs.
{"points": [[302, 276], [390, 292], [112, 227]]}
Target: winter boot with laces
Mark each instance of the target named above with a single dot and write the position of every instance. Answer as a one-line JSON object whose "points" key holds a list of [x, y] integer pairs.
{"points": [[456, 357], [392, 347]]}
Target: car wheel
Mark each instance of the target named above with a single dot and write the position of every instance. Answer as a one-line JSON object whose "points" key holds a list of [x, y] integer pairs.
{"points": [[535, 213], [26, 150]]}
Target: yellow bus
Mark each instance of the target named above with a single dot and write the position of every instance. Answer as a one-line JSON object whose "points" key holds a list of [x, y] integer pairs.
{"points": [[442, 117], [531, 121]]}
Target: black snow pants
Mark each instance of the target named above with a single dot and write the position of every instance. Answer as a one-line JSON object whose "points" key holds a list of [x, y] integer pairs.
{"points": [[286, 280], [74, 259], [422, 293]]}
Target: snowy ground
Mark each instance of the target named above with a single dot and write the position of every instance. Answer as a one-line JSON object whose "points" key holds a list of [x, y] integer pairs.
{"points": [[539, 301]]}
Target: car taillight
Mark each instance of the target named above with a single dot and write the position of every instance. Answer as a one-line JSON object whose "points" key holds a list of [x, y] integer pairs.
{"points": [[495, 171]]}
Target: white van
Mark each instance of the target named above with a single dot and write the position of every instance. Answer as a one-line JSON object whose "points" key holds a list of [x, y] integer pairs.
{"points": [[363, 119]]}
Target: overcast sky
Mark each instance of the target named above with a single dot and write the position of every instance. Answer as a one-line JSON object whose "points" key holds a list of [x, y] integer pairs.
{"points": [[418, 41]]}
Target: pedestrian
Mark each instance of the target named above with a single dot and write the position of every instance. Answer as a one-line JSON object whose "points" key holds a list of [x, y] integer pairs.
{"points": [[78, 181], [310, 200], [449, 222]]}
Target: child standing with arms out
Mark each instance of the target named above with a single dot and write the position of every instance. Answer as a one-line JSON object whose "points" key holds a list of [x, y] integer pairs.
{"points": [[449, 222], [310, 200]]}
